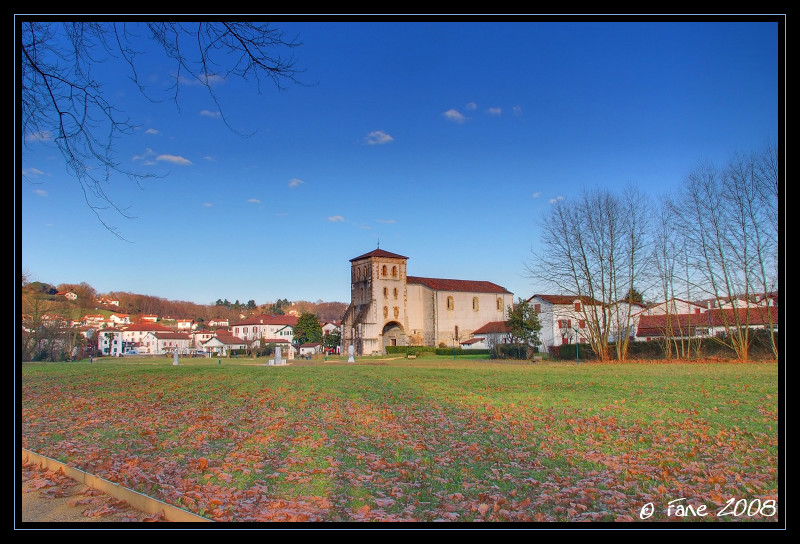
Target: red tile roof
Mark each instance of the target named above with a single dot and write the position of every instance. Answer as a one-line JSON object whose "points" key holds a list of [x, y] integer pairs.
{"points": [[493, 327], [228, 340], [379, 253], [656, 325], [147, 327], [567, 299], [269, 320], [171, 335], [465, 286]]}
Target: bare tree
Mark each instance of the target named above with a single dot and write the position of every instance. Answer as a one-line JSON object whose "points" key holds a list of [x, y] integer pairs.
{"points": [[727, 217], [60, 98], [594, 249]]}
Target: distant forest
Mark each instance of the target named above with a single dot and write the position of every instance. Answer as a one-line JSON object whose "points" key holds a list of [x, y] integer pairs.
{"points": [[135, 304]]}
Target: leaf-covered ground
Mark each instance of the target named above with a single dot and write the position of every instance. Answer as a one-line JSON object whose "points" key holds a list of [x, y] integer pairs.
{"points": [[396, 441]]}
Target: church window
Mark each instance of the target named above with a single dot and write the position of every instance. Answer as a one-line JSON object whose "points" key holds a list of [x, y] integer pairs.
{"points": [[383, 270], [475, 305], [385, 292], [450, 304], [385, 311], [394, 271], [395, 292], [396, 312]]}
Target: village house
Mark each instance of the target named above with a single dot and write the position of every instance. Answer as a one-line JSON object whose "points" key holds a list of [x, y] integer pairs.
{"points": [[270, 328], [705, 324], [161, 342], [564, 318], [184, 324], [109, 342], [224, 345], [200, 337], [488, 336], [135, 337]]}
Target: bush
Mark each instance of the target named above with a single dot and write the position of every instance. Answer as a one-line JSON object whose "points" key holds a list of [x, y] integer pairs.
{"points": [[511, 351]]}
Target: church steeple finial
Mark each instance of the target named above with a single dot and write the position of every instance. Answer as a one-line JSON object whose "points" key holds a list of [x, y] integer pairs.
{"points": [[379, 243]]}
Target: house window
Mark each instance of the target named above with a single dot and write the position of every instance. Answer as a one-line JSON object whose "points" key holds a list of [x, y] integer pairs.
{"points": [[564, 323], [577, 306], [537, 308], [450, 304], [582, 323], [499, 303], [475, 304]]}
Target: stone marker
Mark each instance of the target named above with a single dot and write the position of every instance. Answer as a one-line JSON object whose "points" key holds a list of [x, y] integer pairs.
{"points": [[175, 357], [350, 352]]}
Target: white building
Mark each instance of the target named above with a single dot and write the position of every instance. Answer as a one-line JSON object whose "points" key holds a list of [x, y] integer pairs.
{"points": [[390, 308], [563, 318]]}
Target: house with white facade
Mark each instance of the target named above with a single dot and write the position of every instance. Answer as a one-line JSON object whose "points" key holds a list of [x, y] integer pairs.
{"points": [[184, 324], [160, 342], [705, 324], [119, 319], [200, 337], [109, 342], [673, 306], [564, 318], [224, 345], [267, 327], [218, 322], [136, 336], [488, 336]]}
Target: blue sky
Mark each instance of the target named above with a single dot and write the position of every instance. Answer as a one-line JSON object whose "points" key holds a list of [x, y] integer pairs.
{"points": [[445, 142]]}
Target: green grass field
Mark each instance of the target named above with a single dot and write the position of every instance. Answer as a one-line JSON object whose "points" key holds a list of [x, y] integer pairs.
{"points": [[433, 439]]}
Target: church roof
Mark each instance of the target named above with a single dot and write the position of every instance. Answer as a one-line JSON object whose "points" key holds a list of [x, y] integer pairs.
{"points": [[465, 286], [379, 253]]}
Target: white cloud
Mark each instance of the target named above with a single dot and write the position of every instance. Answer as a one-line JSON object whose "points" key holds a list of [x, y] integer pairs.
{"points": [[147, 153], [455, 116], [472, 106], [336, 219], [556, 199], [41, 136], [40, 192], [32, 172], [295, 182], [495, 111], [386, 221], [517, 110], [377, 137], [175, 159], [151, 131], [254, 200], [207, 113], [537, 194], [207, 204]]}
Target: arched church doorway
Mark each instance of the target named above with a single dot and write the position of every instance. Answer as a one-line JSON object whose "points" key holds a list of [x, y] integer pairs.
{"points": [[393, 335]]}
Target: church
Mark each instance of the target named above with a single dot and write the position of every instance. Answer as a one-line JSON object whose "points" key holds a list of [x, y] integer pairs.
{"points": [[390, 308]]}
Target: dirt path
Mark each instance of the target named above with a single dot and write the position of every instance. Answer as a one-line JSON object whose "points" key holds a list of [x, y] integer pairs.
{"points": [[49, 496]]}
